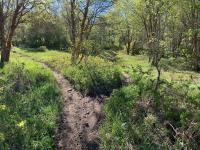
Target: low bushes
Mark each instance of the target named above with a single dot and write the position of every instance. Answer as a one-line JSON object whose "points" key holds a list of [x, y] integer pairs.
{"points": [[137, 117], [94, 77], [175, 64], [29, 104], [41, 49]]}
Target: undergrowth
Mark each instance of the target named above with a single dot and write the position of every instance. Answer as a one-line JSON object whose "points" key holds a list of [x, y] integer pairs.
{"points": [[94, 77], [137, 117], [29, 105]]}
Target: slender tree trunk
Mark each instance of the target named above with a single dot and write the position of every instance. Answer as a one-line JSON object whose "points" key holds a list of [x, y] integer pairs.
{"points": [[7, 44], [73, 59], [128, 47], [134, 48], [195, 40], [5, 54], [6, 41], [73, 29], [78, 40], [196, 51], [158, 78]]}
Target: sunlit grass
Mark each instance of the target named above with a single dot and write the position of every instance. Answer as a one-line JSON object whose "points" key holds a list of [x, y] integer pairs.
{"points": [[134, 61], [45, 56], [96, 76], [29, 105], [61, 60], [126, 61]]}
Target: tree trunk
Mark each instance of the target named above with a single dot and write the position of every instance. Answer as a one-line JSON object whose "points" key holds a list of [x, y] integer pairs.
{"points": [[77, 39], [197, 67], [196, 51], [73, 59], [158, 78], [5, 53], [128, 47], [76, 52], [134, 50]]}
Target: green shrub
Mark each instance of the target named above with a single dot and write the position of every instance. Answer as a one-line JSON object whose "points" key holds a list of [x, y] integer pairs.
{"points": [[137, 117], [41, 49], [94, 77], [175, 64], [29, 105]]}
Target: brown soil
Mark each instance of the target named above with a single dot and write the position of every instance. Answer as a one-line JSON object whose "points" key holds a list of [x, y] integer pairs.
{"points": [[79, 122]]}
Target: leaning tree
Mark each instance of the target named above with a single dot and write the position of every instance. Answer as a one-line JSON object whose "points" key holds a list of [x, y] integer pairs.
{"points": [[12, 13]]}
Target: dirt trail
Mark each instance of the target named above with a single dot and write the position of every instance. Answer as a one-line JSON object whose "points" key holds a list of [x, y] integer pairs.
{"points": [[78, 126], [79, 120]]}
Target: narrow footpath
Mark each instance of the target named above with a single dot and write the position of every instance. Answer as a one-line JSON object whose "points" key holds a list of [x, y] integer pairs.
{"points": [[79, 122], [79, 119]]}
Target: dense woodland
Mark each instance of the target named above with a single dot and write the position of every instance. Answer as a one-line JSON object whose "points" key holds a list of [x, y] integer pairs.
{"points": [[139, 58]]}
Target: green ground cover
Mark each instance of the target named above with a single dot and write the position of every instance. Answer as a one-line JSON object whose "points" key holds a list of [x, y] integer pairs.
{"points": [[61, 61], [29, 105], [136, 116], [94, 77]]}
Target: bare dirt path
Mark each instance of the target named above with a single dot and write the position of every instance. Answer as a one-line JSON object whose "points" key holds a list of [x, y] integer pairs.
{"points": [[80, 117], [79, 122]]}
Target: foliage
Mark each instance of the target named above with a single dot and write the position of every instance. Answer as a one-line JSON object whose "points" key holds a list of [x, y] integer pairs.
{"points": [[29, 105], [42, 30], [94, 77], [61, 62], [137, 117], [143, 114], [175, 64], [41, 49]]}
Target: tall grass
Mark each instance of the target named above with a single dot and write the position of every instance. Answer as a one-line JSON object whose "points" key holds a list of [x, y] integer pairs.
{"points": [[137, 117], [29, 106]]}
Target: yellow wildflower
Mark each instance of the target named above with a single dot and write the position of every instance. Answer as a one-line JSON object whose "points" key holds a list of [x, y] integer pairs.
{"points": [[21, 124], [1, 89], [2, 107]]}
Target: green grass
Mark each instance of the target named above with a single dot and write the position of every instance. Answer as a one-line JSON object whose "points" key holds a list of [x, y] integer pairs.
{"points": [[29, 105], [95, 77], [56, 59], [127, 60], [137, 116], [61, 61], [99, 76], [126, 63]]}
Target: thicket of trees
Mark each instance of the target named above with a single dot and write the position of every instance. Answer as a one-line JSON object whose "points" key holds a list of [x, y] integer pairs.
{"points": [[159, 28], [42, 29], [11, 15], [80, 18]]}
